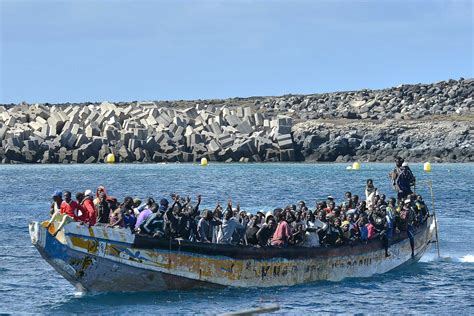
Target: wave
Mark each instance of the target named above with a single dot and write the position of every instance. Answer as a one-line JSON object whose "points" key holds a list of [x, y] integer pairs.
{"points": [[464, 259]]}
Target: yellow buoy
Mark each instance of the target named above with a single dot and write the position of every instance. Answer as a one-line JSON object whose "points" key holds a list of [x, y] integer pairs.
{"points": [[203, 161], [110, 158], [356, 166], [427, 166]]}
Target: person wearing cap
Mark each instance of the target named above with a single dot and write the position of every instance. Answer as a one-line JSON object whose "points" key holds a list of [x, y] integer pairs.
{"points": [[90, 213], [66, 213], [402, 179], [57, 197]]}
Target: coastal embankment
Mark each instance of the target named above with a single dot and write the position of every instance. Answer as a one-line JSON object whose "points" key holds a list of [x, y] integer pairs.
{"points": [[418, 122]]}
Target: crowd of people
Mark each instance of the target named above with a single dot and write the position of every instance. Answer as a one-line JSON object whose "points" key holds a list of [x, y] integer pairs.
{"points": [[329, 223]]}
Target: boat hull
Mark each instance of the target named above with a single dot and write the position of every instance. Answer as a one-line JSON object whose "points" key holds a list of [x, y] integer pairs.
{"points": [[100, 259]]}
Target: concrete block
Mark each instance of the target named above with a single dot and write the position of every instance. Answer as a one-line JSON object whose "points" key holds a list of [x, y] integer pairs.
{"points": [[139, 154], [258, 119], [285, 141], [81, 140], [151, 145], [32, 145], [233, 120], [191, 113], [226, 140], [140, 133], [213, 146], [245, 127], [135, 143], [188, 157], [178, 121], [267, 123], [239, 111], [287, 155], [125, 155]]}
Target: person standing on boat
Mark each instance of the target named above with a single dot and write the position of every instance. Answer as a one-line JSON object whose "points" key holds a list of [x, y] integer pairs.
{"points": [[402, 179]]}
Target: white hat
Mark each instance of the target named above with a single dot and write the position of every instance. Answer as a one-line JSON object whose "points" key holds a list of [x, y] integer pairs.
{"points": [[88, 193], [330, 197], [407, 201], [405, 164]]}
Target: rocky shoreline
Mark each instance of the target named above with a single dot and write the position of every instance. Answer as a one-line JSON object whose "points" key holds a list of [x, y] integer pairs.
{"points": [[419, 122]]}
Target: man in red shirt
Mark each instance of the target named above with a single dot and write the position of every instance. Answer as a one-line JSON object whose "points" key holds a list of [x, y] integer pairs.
{"points": [[64, 212], [89, 208], [69, 207], [282, 233]]}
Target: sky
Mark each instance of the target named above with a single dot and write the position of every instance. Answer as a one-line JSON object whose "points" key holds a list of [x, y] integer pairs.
{"points": [[93, 51]]}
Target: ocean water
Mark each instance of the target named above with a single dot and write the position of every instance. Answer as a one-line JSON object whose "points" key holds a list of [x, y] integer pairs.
{"points": [[28, 285]]}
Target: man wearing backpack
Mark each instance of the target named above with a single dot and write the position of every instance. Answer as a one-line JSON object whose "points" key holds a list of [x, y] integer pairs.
{"points": [[402, 179]]}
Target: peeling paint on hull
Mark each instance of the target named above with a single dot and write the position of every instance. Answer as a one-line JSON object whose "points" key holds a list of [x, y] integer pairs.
{"points": [[101, 259]]}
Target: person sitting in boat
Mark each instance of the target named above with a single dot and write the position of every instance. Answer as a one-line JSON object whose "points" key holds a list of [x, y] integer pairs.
{"points": [[282, 233], [171, 218], [103, 209], [298, 228], [348, 201], [128, 214], [187, 221], [86, 205], [370, 193], [145, 212], [406, 222], [230, 228], [67, 208], [251, 233], [153, 225], [421, 208], [266, 231], [116, 214], [100, 190], [206, 226]]}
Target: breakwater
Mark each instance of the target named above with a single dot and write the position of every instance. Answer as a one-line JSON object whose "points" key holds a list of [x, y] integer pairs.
{"points": [[419, 122]]}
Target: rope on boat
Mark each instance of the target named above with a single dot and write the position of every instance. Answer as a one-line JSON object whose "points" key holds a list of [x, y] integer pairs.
{"points": [[430, 185]]}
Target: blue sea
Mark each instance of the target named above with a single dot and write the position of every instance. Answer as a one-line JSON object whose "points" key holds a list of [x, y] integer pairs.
{"points": [[28, 285]]}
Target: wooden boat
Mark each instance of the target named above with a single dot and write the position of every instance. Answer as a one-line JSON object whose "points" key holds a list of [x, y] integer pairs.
{"points": [[101, 259]]}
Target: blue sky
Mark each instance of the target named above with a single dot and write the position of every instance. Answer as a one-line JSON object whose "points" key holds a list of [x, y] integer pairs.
{"points": [[75, 51]]}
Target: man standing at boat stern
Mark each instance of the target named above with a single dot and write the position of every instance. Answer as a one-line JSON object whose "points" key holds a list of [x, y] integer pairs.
{"points": [[402, 179]]}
